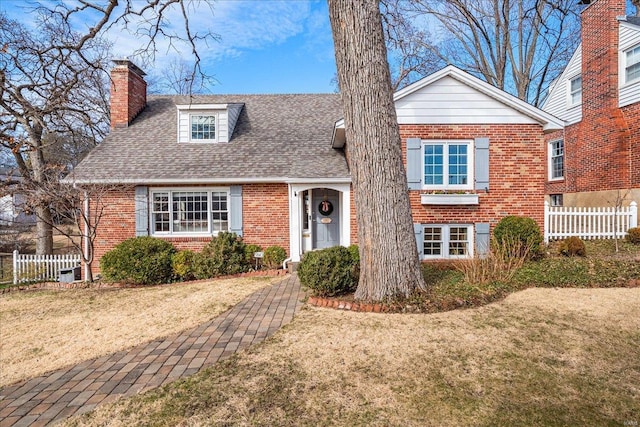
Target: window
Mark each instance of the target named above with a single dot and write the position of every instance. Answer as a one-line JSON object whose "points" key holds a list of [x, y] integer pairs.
{"points": [[201, 212], [203, 127], [448, 165], [575, 91], [556, 199], [447, 241], [556, 159], [632, 64]]}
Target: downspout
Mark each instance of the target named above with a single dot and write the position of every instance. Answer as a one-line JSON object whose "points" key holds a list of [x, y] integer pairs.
{"points": [[284, 263], [85, 236]]}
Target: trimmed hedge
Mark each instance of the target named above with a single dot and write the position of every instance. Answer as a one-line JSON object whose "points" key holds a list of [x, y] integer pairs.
{"points": [[274, 256], [140, 260], [572, 246], [328, 272], [519, 233]]}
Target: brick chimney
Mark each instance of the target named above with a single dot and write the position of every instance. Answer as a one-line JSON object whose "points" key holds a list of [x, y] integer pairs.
{"points": [[603, 129], [128, 92]]}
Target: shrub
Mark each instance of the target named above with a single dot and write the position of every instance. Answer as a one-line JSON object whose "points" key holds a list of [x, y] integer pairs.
{"points": [[141, 261], [521, 234], [633, 235], [499, 265], [355, 260], [182, 265], [249, 251], [572, 246], [225, 254], [327, 272], [274, 256]]}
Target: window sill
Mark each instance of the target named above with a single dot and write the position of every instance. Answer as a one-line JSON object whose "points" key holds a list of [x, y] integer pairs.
{"points": [[449, 199]]}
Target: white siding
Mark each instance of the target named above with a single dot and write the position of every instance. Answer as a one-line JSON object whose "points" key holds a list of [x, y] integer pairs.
{"points": [[222, 125], [629, 38], [557, 101], [449, 101]]}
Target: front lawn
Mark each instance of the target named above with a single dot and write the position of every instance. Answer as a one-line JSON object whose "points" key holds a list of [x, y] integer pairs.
{"points": [[546, 357]]}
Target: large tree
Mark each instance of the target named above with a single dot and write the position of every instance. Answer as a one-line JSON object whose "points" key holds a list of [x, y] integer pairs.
{"points": [[519, 46], [388, 255], [54, 108]]}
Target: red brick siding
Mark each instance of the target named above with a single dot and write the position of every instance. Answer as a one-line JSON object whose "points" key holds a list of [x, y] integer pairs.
{"points": [[265, 209], [517, 167], [265, 214], [601, 151], [128, 96]]}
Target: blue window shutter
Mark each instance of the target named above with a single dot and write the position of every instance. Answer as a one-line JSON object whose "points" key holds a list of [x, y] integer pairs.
{"points": [[483, 238], [414, 163], [142, 210], [235, 210], [418, 229], [482, 163]]}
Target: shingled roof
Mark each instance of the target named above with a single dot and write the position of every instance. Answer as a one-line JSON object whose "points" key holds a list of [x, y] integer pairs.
{"points": [[277, 138]]}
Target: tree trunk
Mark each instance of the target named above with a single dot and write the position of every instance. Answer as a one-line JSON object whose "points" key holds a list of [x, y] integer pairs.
{"points": [[44, 231], [389, 264]]}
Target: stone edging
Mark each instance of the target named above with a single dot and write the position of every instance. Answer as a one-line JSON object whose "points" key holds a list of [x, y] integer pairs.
{"points": [[104, 285]]}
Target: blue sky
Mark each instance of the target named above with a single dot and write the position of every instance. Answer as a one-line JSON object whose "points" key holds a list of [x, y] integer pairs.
{"points": [[265, 46]]}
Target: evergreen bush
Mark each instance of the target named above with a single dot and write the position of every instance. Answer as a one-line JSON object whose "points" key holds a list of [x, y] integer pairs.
{"points": [[274, 256], [140, 260], [224, 255], [521, 234], [327, 272], [182, 265]]}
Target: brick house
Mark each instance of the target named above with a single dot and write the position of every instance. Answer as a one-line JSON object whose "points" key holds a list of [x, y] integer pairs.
{"points": [[596, 157], [273, 168]]}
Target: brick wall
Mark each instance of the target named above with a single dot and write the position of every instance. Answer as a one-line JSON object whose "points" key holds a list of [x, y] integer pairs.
{"points": [[265, 214], [128, 93], [265, 210], [601, 151], [517, 168]]}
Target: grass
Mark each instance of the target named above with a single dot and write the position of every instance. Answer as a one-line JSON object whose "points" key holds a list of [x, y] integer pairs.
{"points": [[540, 357], [45, 330]]}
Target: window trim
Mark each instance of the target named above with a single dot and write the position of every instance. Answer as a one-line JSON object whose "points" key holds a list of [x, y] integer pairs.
{"points": [[470, 164], [446, 239], [556, 200], [551, 157], [170, 190], [570, 92], [204, 114], [626, 65]]}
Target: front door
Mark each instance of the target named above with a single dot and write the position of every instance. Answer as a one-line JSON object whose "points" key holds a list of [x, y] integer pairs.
{"points": [[325, 214]]}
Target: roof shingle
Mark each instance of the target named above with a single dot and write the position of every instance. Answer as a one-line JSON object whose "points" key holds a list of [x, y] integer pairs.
{"points": [[276, 138]]}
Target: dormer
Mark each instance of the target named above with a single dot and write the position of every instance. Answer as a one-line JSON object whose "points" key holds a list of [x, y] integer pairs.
{"points": [[207, 123]]}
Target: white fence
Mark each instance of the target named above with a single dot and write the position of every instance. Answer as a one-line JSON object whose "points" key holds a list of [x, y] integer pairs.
{"points": [[41, 268], [588, 223]]}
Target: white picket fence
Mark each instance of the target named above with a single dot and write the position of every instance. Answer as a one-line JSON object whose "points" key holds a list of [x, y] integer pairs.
{"points": [[41, 268], [588, 223]]}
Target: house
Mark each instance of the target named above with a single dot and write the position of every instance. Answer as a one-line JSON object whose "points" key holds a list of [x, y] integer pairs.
{"points": [[274, 168], [595, 159], [12, 201]]}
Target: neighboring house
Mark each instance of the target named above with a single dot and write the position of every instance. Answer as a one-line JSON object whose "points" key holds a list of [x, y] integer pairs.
{"points": [[12, 201], [596, 158], [273, 169]]}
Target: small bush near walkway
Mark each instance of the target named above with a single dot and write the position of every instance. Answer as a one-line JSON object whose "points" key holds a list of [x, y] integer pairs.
{"points": [[224, 255], [328, 272]]}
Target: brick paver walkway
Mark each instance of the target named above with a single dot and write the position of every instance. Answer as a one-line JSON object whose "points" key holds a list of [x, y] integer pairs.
{"points": [[78, 389]]}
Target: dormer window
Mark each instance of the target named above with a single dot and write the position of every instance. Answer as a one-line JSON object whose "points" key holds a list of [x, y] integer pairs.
{"points": [[203, 128], [632, 65], [575, 91]]}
